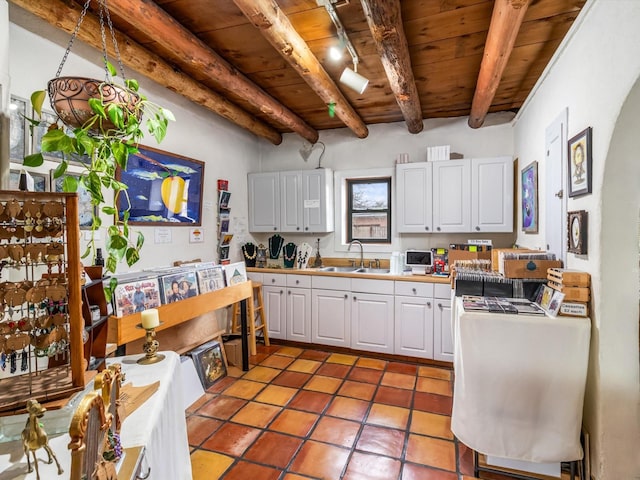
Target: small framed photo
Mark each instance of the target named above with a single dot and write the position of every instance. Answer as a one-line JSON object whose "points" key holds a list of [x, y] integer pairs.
{"points": [[209, 363], [579, 175], [18, 130], [529, 195], [577, 228]]}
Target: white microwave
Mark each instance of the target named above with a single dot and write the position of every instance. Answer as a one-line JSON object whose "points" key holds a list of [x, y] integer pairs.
{"points": [[420, 261]]}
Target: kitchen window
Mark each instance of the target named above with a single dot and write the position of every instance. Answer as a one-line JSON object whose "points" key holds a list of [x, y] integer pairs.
{"points": [[369, 210]]}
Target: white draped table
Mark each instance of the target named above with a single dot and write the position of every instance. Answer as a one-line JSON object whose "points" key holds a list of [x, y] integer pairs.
{"points": [[519, 384], [159, 425]]}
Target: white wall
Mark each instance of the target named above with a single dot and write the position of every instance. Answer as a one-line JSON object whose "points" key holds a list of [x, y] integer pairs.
{"points": [[228, 151], [344, 151], [4, 57], [593, 76]]}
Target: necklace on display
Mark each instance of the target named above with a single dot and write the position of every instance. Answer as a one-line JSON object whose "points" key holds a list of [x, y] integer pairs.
{"points": [[304, 250], [249, 251], [289, 252], [275, 245]]}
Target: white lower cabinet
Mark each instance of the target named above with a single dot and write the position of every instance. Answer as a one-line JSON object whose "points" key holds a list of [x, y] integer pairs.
{"points": [[298, 311], [331, 317], [275, 309], [372, 315], [442, 332], [414, 319]]}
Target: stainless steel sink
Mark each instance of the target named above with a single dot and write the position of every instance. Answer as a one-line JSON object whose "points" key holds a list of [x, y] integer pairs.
{"points": [[378, 271], [339, 269]]}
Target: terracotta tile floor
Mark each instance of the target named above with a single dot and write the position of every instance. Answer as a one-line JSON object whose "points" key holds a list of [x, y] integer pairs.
{"points": [[309, 414]]}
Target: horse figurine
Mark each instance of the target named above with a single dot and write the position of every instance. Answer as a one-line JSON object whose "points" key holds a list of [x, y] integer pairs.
{"points": [[34, 437]]}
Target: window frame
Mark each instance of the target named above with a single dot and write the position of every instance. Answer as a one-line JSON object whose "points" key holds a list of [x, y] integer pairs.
{"points": [[350, 182]]}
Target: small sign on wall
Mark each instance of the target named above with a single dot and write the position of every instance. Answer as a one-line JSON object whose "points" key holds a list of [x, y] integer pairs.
{"points": [[196, 235], [162, 235]]}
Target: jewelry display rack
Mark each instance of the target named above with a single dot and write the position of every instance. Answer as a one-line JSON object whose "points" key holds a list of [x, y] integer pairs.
{"points": [[41, 322], [224, 212]]}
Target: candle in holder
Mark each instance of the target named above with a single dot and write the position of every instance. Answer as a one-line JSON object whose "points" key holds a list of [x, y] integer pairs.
{"points": [[150, 318]]}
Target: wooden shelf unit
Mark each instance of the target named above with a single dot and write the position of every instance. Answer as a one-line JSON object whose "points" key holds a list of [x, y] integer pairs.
{"points": [[123, 330]]}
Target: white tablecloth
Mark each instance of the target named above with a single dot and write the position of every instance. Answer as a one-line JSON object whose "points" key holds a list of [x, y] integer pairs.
{"points": [[519, 384], [159, 425]]}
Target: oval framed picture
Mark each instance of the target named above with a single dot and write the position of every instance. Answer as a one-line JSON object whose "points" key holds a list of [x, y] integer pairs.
{"points": [[577, 224]]}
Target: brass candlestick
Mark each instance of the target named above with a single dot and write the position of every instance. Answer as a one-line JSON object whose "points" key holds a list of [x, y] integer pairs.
{"points": [[150, 348]]}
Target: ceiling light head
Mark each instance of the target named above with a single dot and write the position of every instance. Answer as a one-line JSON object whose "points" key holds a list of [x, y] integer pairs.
{"points": [[335, 53], [307, 148], [354, 80]]}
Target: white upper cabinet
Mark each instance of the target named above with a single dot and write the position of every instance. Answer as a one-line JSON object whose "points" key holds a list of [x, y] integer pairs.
{"points": [[452, 196], [414, 197], [264, 202], [468, 195], [293, 201], [492, 194]]}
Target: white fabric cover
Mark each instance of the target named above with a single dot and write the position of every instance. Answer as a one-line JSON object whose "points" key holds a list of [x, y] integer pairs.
{"points": [[519, 384], [159, 424]]}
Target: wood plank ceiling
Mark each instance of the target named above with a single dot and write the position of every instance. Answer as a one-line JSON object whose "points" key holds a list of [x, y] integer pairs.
{"points": [[445, 41]]}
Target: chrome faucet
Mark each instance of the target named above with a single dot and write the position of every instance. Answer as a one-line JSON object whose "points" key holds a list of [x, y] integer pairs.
{"points": [[361, 251]]}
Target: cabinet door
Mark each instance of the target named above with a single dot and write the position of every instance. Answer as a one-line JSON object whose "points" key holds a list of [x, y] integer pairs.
{"points": [[442, 333], [452, 196], [299, 314], [331, 317], [264, 202], [275, 309], [372, 322], [492, 194], [414, 326], [291, 201], [317, 204], [414, 204]]}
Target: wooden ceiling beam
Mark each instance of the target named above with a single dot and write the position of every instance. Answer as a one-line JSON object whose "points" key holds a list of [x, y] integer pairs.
{"points": [[385, 22], [505, 23], [63, 15], [162, 28], [277, 29]]}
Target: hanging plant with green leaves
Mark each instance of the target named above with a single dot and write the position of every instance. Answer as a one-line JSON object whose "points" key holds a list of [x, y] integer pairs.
{"points": [[100, 124]]}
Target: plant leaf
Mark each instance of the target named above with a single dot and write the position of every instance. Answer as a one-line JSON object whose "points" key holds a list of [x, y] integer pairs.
{"points": [[97, 107], [140, 241], [116, 115], [132, 84], [60, 169], [86, 252], [111, 264], [33, 160], [118, 242], [69, 184], [168, 114], [112, 69], [37, 99], [132, 256], [109, 210]]}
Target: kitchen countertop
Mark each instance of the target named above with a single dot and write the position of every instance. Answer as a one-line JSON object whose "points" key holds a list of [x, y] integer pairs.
{"points": [[375, 276]]}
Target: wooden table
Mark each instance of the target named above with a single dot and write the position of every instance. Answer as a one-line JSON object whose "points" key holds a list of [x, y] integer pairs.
{"points": [[123, 330]]}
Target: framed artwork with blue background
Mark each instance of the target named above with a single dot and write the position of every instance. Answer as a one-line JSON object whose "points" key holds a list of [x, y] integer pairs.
{"points": [[163, 189], [529, 195]]}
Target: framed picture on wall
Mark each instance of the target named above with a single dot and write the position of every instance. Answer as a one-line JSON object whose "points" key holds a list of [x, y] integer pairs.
{"points": [[529, 195], [579, 175], [577, 227], [18, 130]]}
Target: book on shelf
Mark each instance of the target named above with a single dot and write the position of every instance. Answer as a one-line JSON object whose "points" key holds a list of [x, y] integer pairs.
{"points": [[223, 200], [235, 273], [210, 278], [136, 295], [178, 286]]}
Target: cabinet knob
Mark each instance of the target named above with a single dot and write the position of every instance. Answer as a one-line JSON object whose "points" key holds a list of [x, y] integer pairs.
{"points": [[438, 228], [273, 280], [414, 291], [281, 292], [346, 296], [289, 292], [275, 228], [354, 298], [439, 305], [429, 304], [426, 228], [477, 229], [297, 228], [306, 228], [297, 282]]}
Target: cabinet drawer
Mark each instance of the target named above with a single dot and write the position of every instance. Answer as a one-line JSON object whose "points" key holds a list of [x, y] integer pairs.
{"points": [[302, 281], [442, 290], [331, 283], [365, 285], [255, 277], [414, 289], [275, 279]]}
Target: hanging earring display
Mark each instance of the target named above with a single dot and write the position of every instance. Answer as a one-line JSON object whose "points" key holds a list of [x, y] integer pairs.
{"points": [[275, 245], [250, 252], [289, 253]]}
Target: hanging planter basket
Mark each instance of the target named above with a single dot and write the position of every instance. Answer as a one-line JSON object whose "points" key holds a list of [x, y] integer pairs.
{"points": [[69, 97]]}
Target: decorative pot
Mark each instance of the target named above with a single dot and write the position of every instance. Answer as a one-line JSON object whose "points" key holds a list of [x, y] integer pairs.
{"points": [[69, 98]]}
